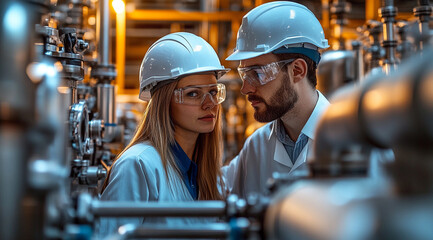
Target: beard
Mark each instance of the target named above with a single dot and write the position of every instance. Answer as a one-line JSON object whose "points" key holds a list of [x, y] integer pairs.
{"points": [[282, 101]]}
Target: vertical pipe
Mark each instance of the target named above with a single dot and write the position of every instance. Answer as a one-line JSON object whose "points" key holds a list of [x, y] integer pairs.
{"points": [[389, 43], [107, 109], [103, 32], [358, 61], [16, 112], [423, 12]]}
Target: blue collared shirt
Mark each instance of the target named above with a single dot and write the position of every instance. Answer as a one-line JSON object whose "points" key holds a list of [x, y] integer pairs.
{"points": [[188, 169], [292, 148]]}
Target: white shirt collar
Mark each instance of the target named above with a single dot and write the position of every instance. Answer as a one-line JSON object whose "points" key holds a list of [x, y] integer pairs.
{"points": [[310, 126]]}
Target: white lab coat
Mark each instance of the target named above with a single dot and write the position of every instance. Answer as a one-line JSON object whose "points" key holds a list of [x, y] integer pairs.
{"points": [[138, 175], [263, 154]]}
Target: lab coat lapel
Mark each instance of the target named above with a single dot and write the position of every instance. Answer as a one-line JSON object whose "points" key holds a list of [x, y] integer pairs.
{"points": [[281, 155], [302, 156]]}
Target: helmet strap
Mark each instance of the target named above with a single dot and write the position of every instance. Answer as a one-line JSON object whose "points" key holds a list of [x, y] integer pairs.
{"points": [[310, 53], [160, 85]]}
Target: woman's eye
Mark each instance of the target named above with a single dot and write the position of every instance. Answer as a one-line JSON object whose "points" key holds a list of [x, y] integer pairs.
{"points": [[192, 94], [213, 92]]}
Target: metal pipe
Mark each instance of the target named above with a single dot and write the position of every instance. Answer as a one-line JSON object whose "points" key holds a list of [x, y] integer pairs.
{"points": [[375, 30], [336, 69], [389, 43], [106, 104], [322, 209], [16, 113], [347, 209], [387, 111], [209, 230], [103, 32], [358, 61], [158, 209], [423, 12]]}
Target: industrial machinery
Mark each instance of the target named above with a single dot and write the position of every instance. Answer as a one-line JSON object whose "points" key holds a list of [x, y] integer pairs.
{"points": [[57, 137]]}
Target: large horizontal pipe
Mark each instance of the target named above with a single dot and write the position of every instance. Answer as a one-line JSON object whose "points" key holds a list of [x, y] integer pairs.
{"points": [[347, 209], [159, 209], [322, 210], [209, 230], [385, 111]]}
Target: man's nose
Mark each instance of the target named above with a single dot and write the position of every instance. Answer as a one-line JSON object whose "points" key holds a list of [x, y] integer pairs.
{"points": [[247, 88]]}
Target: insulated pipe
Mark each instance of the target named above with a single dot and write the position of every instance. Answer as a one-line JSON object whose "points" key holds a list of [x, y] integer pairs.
{"points": [[336, 69], [103, 32], [16, 113], [160, 209], [341, 209], [323, 209], [387, 111]]}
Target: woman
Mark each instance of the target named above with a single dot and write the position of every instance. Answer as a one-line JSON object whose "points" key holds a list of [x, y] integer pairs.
{"points": [[175, 154]]}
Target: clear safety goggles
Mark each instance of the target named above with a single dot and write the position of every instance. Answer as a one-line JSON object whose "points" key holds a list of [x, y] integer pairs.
{"points": [[195, 95], [260, 75]]}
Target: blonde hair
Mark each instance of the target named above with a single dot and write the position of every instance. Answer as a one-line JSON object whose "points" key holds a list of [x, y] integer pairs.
{"points": [[157, 128]]}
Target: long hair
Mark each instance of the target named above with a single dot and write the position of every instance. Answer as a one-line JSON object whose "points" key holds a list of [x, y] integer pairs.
{"points": [[157, 128]]}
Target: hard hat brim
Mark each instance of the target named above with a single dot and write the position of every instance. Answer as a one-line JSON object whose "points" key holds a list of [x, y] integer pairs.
{"points": [[238, 55]]}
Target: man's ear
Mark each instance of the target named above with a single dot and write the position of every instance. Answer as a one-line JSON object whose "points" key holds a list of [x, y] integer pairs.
{"points": [[299, 69]]}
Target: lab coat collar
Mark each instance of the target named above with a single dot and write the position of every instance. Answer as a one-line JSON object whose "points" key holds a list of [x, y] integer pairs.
{"points": [[310, 126], [281, 155]]}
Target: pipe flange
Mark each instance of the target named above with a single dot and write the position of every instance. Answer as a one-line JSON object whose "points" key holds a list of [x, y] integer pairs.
{"points": [[389, 43], [425, 10], [97, 131], [104, 72], [49, 48], [79, 133], [340, 7], [73, 72], [388, 12], [67, 55]]}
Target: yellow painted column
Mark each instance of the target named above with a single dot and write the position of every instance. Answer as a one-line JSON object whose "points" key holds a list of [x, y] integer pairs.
{"points": [[119, 8], [371, 9]]}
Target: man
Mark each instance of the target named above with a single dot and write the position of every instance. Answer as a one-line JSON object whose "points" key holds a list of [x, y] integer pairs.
{"points": [[278, 47]]}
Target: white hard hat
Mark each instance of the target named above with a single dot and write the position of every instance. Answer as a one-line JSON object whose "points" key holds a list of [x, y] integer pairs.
{"points": [[279, 25], [177, 55]]}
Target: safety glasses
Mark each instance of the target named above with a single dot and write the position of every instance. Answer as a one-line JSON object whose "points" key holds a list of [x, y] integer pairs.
{"points": [[195, 95], [260, 75]]}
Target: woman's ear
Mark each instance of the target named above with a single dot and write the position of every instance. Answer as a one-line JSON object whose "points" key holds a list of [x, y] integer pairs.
{"points": [[299, 69]]}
